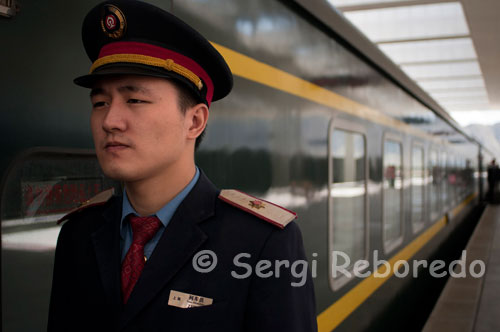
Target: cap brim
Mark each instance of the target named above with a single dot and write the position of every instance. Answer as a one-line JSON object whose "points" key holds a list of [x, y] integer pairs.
{"points": [[88, 81]]}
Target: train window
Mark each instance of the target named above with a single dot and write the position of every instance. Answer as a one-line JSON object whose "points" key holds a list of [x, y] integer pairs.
{"points": [[392, 194], [435, 179], [347, 198], [464, 165], [451, 178], [444, 181], [417, 187], [39, 189]]}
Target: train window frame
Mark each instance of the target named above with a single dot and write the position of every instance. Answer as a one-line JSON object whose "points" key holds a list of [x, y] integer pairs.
{"points": [[41, 154], [391, 245], [356, 128], [434, 215], [443, 164], [453, 169], [417, 228]]}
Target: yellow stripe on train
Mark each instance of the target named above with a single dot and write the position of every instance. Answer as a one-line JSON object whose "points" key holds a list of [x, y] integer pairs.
{"points": [[256, 71]]}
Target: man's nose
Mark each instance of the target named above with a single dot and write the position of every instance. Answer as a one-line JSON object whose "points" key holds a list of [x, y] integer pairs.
{"points": [[114, 119]]}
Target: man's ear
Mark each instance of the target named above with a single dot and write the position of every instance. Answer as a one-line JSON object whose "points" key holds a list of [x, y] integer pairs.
{"points": [[197, 117]]}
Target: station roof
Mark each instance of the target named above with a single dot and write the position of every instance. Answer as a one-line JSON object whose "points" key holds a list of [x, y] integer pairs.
{"points": [[449, 48]]}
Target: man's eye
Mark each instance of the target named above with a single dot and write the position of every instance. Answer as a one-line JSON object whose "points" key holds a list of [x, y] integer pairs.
{"points": [[98, 104], [135, 101]]}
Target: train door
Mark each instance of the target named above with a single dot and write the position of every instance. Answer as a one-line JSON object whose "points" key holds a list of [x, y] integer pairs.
{"points": [[347, 196]]}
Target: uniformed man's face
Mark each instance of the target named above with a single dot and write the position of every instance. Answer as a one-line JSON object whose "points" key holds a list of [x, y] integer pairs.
{"points": [[138, 128]]}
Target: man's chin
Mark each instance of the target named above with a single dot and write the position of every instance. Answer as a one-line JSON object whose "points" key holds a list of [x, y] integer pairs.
{"points": [[118, 174]]}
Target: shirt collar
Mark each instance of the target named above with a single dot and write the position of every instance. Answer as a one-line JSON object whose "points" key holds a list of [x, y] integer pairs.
{"points": [[167, 211]]}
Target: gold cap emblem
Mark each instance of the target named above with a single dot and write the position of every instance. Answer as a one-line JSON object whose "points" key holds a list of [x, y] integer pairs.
{"points": [[113, 22]]}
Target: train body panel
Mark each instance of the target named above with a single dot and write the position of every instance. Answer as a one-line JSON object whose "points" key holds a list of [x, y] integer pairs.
{"points": [[311, 125]]}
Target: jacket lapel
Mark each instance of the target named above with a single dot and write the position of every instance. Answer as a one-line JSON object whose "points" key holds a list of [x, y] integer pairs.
{"points": [[106, 241], [179, 242]]}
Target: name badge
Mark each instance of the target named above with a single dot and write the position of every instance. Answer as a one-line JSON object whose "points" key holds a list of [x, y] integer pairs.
{"points": [[184, 300]]}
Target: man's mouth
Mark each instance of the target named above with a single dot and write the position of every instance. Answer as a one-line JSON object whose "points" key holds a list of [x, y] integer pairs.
{"points": [[115, 146]]}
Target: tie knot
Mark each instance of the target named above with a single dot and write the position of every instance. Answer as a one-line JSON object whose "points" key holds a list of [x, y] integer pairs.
{"points": [[144, 228]]}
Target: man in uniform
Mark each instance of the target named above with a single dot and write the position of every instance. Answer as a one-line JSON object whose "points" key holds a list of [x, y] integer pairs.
{"points": [[173, 253]]}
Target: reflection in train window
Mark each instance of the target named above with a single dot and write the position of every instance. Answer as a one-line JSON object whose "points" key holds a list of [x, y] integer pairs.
{"points": [[348, 195], [41, 186], [451, 178], [39, 189], [392, 194], [443, 180], [434, 184], [417, 188]]}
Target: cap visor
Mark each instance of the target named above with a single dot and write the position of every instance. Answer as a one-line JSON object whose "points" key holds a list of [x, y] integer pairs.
{"points": [[88, 81]]}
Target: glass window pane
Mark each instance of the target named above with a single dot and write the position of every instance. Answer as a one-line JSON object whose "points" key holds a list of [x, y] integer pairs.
{"points": [[452, 178], [434, 180], [38, 190], [348, 194], [42, 189], [417, 187], [443, 180], [393, 181]]}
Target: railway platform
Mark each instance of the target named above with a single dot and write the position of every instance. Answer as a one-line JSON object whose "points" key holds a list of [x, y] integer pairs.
{"points": [[473, 303]]}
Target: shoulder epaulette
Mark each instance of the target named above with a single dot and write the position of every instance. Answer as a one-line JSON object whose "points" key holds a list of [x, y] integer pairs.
{"points": [[98, 199], [272, 213]]}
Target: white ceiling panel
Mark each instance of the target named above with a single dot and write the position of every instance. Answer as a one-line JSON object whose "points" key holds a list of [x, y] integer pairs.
{"points": [[450, 57], [459, 94], [462, 101], [411, 22], [452, 84], [430, 50], [442, 70]]}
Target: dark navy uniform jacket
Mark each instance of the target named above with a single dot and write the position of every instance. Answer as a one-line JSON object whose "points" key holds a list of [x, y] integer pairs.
{"points": [[86, 293]]}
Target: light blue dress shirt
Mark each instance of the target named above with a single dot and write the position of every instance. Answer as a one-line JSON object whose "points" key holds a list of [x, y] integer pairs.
{"points": [[164, 214]]}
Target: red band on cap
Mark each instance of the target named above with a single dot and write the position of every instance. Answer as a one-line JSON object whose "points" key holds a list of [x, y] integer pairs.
{"points": [[160, 53]]}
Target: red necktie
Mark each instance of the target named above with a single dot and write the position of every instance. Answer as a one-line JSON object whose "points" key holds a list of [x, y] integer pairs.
{"points": [[143, 229]]}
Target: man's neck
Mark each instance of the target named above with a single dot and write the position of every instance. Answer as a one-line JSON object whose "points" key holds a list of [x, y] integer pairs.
{"points": [[150, 195]]}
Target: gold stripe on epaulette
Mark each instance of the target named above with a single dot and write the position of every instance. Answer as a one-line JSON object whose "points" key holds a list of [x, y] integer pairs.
{"points": [[167, 64]]}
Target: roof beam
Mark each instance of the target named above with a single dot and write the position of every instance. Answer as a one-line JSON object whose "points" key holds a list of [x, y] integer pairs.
{"points": [[476, 88], [447, 78], [412, 40], [392, 4], [436, 62]]}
